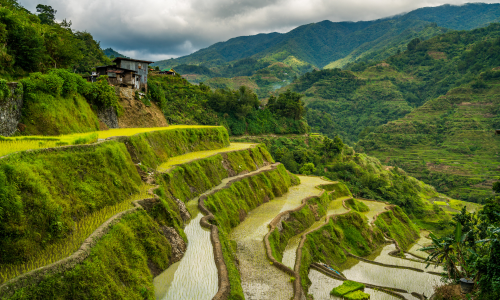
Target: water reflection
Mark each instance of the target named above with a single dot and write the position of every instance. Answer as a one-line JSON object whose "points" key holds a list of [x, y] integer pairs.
{"points": [[195, 276], [322, 285]]}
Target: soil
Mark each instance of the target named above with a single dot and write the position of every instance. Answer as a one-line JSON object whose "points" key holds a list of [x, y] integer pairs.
{"points": [[138, 115]]}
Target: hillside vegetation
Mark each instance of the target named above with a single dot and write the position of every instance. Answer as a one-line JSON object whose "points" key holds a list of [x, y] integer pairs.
{"points": [[32, 43], [365, 176], [448, 83]]}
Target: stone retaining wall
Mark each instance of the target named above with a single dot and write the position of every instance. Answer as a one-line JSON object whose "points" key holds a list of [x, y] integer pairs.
{"points": [[10, 111]]}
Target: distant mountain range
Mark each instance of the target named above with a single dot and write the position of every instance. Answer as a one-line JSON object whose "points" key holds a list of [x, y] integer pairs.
{"points": [[334, 44]]}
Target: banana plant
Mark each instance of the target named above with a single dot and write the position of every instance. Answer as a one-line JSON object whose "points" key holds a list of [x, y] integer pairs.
{"points": [[451, 253]]}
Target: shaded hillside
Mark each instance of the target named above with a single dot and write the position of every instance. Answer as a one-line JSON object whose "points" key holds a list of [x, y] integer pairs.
{"points": [[449, 142]]}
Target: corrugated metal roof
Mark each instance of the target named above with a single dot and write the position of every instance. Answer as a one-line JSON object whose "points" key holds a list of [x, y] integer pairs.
{"points": [[131, 59]]}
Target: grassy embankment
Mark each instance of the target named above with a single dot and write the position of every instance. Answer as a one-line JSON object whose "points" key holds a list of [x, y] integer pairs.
{"points": [[301, 220], [63, 194]]}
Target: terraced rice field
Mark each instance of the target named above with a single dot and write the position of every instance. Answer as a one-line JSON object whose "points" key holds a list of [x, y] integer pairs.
{"points": [[409, 280], [375, 209], [82, 230], [290, 253], [259, 279], [182, 159], [195, 276], [15, 144]]}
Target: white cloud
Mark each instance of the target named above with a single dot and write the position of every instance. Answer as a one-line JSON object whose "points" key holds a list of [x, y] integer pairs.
{"points": [[151, 29]]}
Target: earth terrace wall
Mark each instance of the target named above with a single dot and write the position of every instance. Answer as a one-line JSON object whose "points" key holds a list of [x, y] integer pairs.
{"points": [[153, 148], [336, 190], [228, 284]]}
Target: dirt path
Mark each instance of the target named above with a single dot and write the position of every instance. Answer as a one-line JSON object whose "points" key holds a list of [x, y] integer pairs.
{"points": [[259, 279]]}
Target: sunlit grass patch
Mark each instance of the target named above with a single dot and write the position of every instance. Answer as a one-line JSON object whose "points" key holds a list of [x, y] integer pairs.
{"points": [[16, 144], [441, 203], [346, 288], [67, 246], [201, 154]]}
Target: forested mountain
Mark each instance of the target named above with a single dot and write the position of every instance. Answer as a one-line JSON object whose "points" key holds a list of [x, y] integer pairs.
{"points": [[448, 83], [323, 42], [35, 42]]}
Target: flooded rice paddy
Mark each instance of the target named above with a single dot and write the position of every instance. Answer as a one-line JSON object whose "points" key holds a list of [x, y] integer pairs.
{"points": [[375, 208], [259, 279], [322, 285], [409, 280], [177, 160], [290, 253], [195, 276], [421, 243]]}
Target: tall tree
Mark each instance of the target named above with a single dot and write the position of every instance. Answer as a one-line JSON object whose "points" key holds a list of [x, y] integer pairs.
{"points": [[46, 14]]}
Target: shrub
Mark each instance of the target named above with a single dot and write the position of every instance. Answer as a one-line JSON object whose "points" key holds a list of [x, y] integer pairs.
{"points": [[346, 288]]}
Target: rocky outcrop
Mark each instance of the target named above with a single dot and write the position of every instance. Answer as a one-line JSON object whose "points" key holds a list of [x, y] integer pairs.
{"points": [[109, 117], [176, 241], [10, 111]]}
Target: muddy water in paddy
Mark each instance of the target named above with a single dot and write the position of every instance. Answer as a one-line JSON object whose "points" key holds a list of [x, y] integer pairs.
{"points": [[259, 279], [195, 276], [290, 253], [409, 280], [322, 285], [177, 160]]}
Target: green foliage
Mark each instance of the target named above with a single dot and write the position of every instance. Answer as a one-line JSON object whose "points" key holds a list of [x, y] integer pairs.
{"points": [[121, 259], [40, 211], [32, 43], [4, 89], [46, 14], [472, 251], [287, 105], [347, 287], [357, 205], [307, 169], [357, 295], [238, 111]]}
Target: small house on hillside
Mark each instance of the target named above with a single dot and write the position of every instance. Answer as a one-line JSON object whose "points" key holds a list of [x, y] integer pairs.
{"points": [[167, 72], [139, 66], [127, 72], [120, 77]]}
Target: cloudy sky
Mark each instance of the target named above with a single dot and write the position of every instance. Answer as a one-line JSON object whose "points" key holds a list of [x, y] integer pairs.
{"points": [[161, 29]]}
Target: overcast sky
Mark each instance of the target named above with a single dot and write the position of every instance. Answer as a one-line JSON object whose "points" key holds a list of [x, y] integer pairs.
{"points": [[161, 29]]}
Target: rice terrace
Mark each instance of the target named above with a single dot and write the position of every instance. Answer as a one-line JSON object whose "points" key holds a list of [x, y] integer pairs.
{"points": [[347, 158]]}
